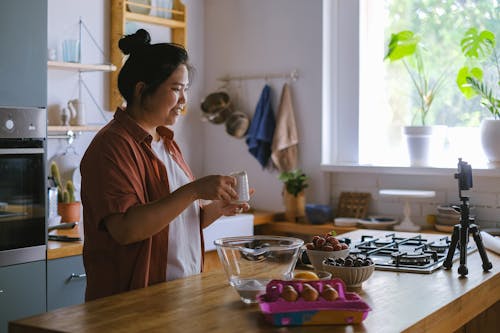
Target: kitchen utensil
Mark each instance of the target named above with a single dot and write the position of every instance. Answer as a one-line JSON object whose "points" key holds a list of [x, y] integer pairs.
{"points": [[62, 238], [77, 112], [378, 222], [144, 10], [241, 186], [216, 107], [346, 221], [71, 50], [353, 204], [237, 124], [62, 226], [250, 262], [319, 214]]}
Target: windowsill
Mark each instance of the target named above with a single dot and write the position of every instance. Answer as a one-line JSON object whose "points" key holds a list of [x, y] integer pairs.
{"points": [[406, 170]]}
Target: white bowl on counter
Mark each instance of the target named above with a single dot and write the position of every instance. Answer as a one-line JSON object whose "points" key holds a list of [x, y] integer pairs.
{"points": [[346, 221]]}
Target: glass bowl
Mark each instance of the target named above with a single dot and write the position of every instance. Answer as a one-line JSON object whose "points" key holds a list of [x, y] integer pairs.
{"points": [[250, 262]]}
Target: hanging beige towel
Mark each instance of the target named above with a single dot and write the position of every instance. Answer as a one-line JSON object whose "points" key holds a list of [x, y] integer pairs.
{"points": [[284, 149]]}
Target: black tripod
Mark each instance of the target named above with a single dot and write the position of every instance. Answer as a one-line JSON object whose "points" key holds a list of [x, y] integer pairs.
{"points": [[461, 231]]}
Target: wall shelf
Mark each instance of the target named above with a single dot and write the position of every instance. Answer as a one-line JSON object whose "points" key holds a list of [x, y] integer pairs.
{"points": [[121, 13], [155, 20], [63, 129], [81, 67]]}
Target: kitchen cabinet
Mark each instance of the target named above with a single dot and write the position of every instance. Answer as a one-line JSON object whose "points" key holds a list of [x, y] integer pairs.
{"points": [[23, 53], [22, 291], [120, 14], [66, 282]]}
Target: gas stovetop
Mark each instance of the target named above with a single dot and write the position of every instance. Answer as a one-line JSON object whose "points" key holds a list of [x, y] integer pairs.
{"points": [[414, 254]]}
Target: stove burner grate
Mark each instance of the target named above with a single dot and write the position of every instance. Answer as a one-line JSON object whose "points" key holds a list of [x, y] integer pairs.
{"points": [[406, 254]]}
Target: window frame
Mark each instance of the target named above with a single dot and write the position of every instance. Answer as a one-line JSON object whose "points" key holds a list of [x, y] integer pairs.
{"points": [[340, 95]]}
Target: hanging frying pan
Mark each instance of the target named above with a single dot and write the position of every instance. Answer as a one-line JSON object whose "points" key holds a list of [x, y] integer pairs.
{"points": [[216, 107]]}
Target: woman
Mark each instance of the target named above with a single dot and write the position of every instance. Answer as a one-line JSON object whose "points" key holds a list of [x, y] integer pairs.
{"points": [[142, 218]]}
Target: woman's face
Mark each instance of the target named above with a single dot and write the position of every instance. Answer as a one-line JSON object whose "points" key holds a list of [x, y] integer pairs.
{"points": [[166, 103]]}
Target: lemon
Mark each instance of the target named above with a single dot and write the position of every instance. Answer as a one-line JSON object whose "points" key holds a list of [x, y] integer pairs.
{"points": [[306, 276]]}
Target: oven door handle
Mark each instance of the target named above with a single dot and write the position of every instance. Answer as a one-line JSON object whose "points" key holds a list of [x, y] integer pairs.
{"points": [[17, 151]]}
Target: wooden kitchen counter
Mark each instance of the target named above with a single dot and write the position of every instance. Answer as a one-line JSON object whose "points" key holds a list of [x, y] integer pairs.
{"points": [[65, 249], [400, 302], [57, 250]]}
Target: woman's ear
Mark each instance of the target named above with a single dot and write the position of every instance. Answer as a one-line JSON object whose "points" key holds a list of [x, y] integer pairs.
{"points": [[139, 90]]}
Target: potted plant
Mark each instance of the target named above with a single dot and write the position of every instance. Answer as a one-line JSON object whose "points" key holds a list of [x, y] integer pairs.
{"points": [[67, 206], [407, 47], [475, 79], [295, 182]]}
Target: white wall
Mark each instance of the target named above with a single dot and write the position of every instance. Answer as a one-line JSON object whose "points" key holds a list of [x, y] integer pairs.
{"points": [[241, 37], [63, 17], [484, 196], [259, 37]]}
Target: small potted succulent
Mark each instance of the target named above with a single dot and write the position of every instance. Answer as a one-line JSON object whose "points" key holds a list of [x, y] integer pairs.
{"points": [[295, 182], [67, 206], [480, 76], [407, 47]]}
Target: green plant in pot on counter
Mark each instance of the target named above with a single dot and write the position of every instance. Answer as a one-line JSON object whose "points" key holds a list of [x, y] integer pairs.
{"points": [[68, 208], [295, 182], [480, 76]]}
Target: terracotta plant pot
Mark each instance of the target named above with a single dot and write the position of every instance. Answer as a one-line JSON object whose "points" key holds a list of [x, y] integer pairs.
{"points": [[295, 206], [70, 212]]}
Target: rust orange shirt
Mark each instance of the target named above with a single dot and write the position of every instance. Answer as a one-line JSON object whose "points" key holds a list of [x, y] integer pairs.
{"points": [[119, 170]]}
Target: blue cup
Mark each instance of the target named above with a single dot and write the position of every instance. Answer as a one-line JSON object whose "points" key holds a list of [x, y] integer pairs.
{"points": [[71, 50]]}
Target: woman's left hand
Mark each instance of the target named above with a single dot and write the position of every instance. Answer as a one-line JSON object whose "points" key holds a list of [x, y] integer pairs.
{"points": [[228, 208]]}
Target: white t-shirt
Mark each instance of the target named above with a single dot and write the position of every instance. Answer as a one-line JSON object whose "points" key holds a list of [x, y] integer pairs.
{"points": [[184, 241]]}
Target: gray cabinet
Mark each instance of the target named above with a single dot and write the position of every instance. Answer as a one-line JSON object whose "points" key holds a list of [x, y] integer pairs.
{"points": [[66, 282], [22, 291], [23, 53]]}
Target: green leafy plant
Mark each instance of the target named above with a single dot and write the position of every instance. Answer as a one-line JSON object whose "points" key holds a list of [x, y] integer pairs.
{"points": [[65, 193], [295, 181], [407, 47], [479, 49]]}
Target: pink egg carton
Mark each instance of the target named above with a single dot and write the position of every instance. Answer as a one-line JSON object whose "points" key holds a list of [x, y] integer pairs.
{"points": [[348, 308]]}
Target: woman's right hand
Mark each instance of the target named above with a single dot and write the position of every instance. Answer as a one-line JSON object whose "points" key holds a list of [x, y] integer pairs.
{"points": [[216, 187]]}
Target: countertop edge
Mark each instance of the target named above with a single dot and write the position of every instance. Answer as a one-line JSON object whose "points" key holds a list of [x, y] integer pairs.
{"points": [[461, 310]]}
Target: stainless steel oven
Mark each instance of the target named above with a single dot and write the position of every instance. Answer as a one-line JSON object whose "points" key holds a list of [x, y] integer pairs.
{"points": [[23, 185]]}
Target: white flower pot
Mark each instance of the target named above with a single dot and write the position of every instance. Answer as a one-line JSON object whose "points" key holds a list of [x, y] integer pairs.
{"points": [[423, 142], [490, 140]]}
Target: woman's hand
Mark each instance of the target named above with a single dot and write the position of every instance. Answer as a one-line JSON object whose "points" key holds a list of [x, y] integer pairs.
{"points": [[217, 208], [229, 208], [216, 187]]}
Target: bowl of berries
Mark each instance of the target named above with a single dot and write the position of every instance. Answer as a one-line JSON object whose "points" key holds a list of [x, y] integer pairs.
{"points": [[353, 270], [325, 246]]}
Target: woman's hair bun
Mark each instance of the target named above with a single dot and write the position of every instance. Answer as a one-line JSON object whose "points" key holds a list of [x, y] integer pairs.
{"points": [[132, 43]]}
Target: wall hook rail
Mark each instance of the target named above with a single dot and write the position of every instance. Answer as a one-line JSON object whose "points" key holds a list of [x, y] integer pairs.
{"points": [[293, 75]]}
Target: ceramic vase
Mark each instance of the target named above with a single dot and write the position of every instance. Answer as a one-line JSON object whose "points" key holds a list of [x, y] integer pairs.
{"points": [[423, 143], [490, 140], [295, 206]]}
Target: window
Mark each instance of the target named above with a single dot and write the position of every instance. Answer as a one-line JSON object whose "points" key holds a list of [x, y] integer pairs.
{"points": [[367, 101]]}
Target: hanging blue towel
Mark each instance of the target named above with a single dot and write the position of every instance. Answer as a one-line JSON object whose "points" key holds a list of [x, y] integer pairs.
{"points": [[261, 131]]}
